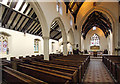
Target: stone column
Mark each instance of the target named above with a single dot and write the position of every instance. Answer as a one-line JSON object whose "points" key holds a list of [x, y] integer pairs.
{"points": [[65, 48], [46, 48], [118, 42]]}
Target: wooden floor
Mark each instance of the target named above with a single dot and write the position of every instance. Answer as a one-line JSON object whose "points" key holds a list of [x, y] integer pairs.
{"points": [[97, 73]]}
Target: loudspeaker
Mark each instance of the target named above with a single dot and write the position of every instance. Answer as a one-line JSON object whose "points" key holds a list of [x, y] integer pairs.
{"points": [[76, 27], [76, 45]]}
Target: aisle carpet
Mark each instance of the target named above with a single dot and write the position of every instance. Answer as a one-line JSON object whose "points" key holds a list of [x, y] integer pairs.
{"points": [[97, 73]]}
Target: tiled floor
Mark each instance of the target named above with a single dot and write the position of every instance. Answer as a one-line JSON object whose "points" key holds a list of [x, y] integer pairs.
{"points": [[97, 73]]}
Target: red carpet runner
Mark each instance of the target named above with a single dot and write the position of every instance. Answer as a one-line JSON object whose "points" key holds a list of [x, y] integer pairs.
{"points": [[97, 73]]}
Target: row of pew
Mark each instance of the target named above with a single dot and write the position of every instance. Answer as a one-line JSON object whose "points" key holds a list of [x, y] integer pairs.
{"points": [[33, 69], [112, 62]]}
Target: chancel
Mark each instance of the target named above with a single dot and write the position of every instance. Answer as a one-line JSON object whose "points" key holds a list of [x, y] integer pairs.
{"points": [[59, 42]]}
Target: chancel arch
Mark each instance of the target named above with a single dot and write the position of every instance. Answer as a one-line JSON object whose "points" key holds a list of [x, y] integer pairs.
{"points": [[110, 30], [100, 20]]}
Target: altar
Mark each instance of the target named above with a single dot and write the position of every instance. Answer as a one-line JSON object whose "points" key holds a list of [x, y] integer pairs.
{"points": [[95, 51]]}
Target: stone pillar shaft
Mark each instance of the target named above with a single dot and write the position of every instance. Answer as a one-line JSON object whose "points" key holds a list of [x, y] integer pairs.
{"points": [[46, 48], [65, 48]]}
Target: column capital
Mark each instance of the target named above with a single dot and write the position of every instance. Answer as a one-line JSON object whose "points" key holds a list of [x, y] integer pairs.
{"points": [[73, 44], [64, 42], [46, 37]]}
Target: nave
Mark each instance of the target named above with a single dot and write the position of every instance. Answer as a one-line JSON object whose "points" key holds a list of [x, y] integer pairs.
{"points": [[53, 42]]}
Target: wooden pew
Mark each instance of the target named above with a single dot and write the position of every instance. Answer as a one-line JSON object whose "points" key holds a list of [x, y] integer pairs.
{"points": [[5, 62], [54, 56], [81, 68], [47, 69], [62, 68], [47, 76], [11, 76], [74, 75], [62, 65], [118, 73], [112, 63]]}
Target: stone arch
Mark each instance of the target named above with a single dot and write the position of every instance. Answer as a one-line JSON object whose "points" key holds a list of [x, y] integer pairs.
{"points": [[104, 11], [111, 18], [41, 17], [64, 35], [45, 30]]}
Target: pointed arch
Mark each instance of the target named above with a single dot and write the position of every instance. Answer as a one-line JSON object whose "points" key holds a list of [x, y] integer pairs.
{"points": [[41, 17], [112, 20], [63, 32], [62, 27]]}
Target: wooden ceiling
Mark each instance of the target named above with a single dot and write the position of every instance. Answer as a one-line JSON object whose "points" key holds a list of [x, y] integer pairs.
{"points": [[99, 20], [20, 16], [55, 31], [73, 7]]}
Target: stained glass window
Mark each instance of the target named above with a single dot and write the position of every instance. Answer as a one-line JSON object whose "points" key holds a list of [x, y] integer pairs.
{"points": [[95, 40], [36, 46], [59, 7], [71, 20], [3, 44]]}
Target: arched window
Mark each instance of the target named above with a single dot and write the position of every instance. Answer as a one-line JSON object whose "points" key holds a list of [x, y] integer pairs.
{"points": [[95, 41], [36, 45], [53, 46], [71, 20], [3, 44], [59, 6]]}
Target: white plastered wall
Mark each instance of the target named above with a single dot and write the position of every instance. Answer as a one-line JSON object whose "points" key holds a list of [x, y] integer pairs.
{"points": [[21, 44]]}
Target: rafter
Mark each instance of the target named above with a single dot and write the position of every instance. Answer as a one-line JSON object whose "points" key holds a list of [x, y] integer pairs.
{"points": [[27, 16], [21, 20], [36, 29]]}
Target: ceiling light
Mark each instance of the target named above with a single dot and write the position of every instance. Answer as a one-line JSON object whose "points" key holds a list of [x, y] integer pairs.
{"points": [[94, 28]]}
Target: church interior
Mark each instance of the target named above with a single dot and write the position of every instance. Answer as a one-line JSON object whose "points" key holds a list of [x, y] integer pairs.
{"points": [[59, 42]]}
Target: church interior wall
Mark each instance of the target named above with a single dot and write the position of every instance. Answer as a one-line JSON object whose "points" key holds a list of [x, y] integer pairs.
{"points": [[50, 12], [111, 9], [21, 44]]}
